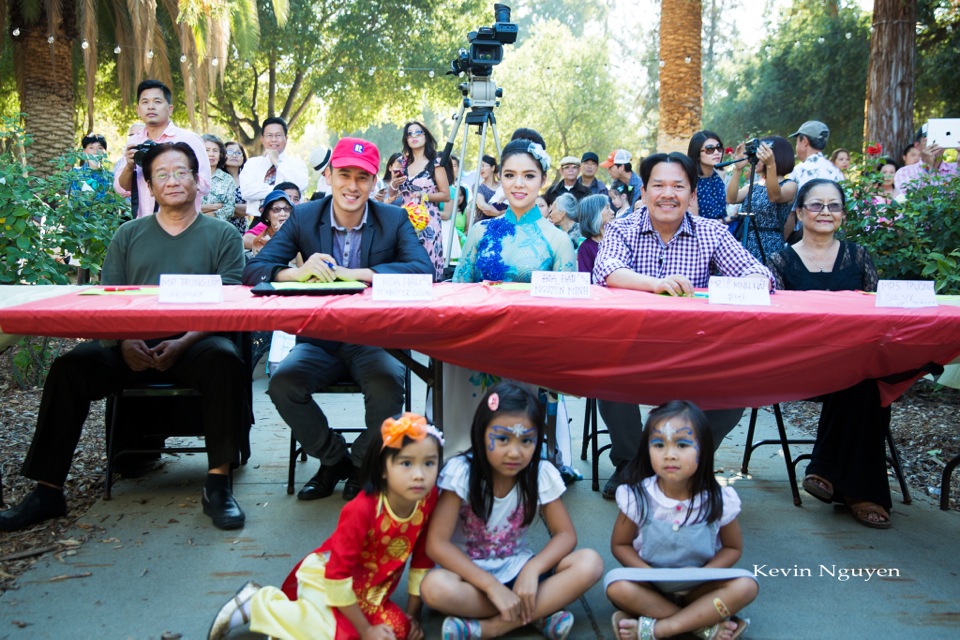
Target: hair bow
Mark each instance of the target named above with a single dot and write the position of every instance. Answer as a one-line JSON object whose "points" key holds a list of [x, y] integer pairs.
{"points": [[540, 154], [411, 425]]}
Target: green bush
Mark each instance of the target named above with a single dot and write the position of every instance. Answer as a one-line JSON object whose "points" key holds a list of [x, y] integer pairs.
{"points": [[916, 237], [42, 219]]}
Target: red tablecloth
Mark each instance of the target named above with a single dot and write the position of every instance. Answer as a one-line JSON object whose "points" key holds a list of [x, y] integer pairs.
{"points": [[619, 345]]}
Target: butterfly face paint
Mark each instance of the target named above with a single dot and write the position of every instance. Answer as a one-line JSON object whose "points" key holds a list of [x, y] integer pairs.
{"points": [[674, 452], [511, 442]]}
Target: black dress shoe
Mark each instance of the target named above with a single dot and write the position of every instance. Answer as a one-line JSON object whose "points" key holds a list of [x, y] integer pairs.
{"points": [[323, 483], [33, 509], [610, 488], [353, 485], [223, 509]]}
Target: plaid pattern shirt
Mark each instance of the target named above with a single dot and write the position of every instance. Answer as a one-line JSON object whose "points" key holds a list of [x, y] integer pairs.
{"points": [[700, 247]]}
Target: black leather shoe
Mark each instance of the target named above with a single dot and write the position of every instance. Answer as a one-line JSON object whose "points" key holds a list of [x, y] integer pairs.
{"points": [[325, 481], [32, 510], [353, 485], [223, 509], [610, 488]]}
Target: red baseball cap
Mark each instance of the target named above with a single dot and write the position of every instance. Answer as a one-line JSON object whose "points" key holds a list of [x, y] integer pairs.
{"points": [[354, 152]]}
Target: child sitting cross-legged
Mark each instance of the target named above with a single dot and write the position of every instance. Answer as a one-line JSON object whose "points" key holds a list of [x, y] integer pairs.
{"points": [[677, 537], [491, 581]]}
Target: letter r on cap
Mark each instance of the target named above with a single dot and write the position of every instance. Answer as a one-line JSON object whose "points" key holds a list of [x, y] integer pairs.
{"points": [[358, 148]]}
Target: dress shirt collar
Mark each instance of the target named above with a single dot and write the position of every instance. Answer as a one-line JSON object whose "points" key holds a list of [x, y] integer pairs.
{"points": [[169, 132], [686, 225], [363, 220]]}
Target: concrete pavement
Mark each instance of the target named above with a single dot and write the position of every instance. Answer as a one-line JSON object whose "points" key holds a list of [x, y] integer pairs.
{"points": [[152, 562]]}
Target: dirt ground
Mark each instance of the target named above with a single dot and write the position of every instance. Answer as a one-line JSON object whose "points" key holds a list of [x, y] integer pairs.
{"points": [[924, 424]]}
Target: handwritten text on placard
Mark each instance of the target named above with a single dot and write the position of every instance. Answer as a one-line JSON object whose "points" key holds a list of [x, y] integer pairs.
{"points": [[190, 288], [909, 294], [402, 286], [743, 291], [560, 284]]}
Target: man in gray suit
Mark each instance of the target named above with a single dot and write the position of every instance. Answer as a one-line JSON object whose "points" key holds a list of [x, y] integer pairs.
{"points": [[348, 236]]}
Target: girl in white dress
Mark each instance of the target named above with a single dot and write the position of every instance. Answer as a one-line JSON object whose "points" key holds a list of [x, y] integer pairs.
{"points": [[491, 581]]}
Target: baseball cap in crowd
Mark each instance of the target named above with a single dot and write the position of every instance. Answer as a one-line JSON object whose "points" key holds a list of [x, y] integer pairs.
{"points": [[565, 160], [921, 134], [620, 156], [590, 156], [319, 158], [813, 129], [272, 197], [355, 152]]}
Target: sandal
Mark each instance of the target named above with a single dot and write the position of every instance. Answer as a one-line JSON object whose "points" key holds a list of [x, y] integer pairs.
{"points": [[460, 628], [222, 622], [708, 633], [556, 626], [644, 628], [862, 511], [819, 488]]}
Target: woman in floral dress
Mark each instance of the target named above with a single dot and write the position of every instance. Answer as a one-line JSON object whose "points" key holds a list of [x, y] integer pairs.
{"points": [[424, 178]]}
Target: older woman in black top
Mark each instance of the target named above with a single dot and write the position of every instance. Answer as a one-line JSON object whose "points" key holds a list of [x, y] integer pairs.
{"points": [[849, 459]]}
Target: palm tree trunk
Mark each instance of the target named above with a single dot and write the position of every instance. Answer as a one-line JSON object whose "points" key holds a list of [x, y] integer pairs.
{"points": [[45, 74], [681, 84]]}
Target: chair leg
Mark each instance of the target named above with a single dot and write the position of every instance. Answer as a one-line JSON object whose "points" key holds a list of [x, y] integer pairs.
{"points": [[894, 458], [595, 452], [749, 446], [113, 410], [945, 482], [292, 464], [587, 429], [785, 443]]}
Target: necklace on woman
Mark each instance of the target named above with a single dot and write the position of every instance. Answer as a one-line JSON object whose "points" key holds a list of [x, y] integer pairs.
{"points": [[810, 256]]}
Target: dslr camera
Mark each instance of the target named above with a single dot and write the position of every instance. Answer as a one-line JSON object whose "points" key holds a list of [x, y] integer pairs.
{"points": [[486, 45], [141, 151], [750, 148]]}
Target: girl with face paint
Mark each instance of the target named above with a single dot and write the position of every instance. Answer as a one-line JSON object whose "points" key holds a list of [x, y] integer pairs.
{"points": [[492, 581], [675, 521]]}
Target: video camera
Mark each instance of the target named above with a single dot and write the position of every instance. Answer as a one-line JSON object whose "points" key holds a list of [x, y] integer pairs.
{"points": [[486, 45]]}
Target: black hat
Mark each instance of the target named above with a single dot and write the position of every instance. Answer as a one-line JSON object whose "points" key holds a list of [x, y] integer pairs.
{"points": [[590, 156]]}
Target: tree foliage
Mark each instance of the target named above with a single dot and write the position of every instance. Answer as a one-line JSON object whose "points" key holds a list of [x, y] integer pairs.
{"points": [[359, 61], [916, 237], [562, 87], [44, 219], [808, 68]]}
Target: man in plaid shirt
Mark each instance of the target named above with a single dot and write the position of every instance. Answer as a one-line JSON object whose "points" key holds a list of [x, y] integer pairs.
{"points": [[662, 248]]}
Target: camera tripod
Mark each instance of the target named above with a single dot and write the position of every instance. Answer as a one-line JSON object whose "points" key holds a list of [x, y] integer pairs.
{"points": [[747, 213], [483, 119]]}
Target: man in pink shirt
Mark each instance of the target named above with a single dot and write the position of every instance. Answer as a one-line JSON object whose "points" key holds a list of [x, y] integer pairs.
{"points": [[931, 164], [154, 107]]}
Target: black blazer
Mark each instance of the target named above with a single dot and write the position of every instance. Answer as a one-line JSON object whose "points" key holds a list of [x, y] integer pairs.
{"points": [[389, 245]]}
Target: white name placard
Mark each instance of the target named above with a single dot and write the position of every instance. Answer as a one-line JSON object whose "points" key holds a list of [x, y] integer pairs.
{"points": [[742, 291], [402, 286], [190, 288], [560, 284], [908, 294]]}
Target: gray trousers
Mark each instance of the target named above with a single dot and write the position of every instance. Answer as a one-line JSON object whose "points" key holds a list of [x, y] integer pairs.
{"points": [[309, 368], [625, 426]]}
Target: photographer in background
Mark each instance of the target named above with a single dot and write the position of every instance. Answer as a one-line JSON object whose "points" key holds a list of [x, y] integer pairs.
{"points": [[154, 108]]}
